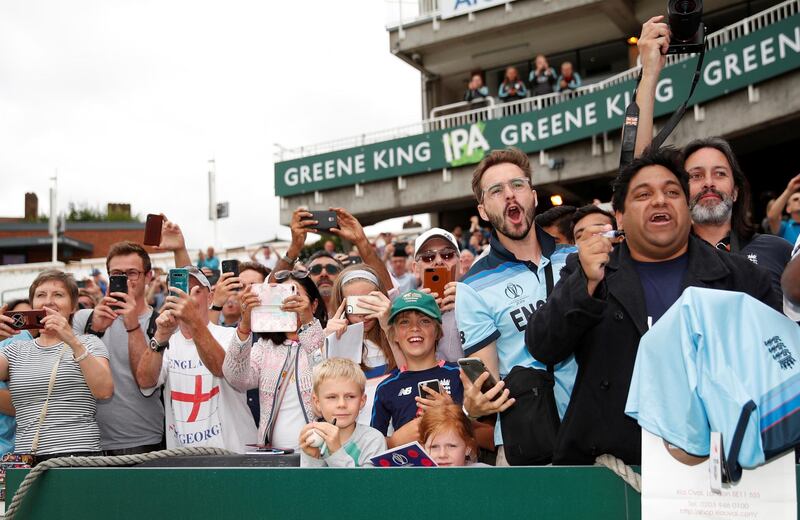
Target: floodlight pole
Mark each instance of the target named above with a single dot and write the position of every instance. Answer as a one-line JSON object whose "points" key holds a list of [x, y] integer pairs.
{"points": [[212, 196], [54, 216]]}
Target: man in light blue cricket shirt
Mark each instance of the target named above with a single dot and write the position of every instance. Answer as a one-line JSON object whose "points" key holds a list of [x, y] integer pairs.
{"points": [[504, 288]]}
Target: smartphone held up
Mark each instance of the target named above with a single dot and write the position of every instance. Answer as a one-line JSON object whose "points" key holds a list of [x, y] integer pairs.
{"points": [[269, 317], [152, 230]]}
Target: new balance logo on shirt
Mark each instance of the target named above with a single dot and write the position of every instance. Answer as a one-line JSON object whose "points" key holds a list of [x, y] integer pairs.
{"points": [[404, 391]]}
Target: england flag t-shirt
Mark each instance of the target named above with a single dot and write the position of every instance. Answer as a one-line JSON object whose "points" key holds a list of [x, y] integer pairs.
{"points": [[202, 410]]}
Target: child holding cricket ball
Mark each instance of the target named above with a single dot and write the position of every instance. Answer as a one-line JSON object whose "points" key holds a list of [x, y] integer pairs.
{"points": [[337, 440]]}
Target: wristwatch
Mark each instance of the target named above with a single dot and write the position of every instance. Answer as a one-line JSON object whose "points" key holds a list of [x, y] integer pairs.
{"points": [[155, 346], [215, 308], [288, 259]]}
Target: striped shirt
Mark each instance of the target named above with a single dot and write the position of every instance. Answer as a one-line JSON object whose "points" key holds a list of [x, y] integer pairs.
{"points": [[70, 423]]}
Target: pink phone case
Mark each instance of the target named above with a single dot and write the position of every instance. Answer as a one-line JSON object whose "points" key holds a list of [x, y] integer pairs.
{"points": [[268, 317]]}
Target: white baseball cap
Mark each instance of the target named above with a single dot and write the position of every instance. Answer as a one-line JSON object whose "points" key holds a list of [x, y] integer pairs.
{"points": [[435, 232]]}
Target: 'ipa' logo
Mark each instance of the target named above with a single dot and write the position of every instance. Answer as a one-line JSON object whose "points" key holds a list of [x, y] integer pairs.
{"points": [[462, 146]]}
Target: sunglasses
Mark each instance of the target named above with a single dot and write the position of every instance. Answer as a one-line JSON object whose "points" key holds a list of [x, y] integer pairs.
{"points": [[283, 275], [429, 256], [329, 268]]}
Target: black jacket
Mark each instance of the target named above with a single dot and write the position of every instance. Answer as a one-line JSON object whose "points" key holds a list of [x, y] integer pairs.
{"points": [[603, 332]]}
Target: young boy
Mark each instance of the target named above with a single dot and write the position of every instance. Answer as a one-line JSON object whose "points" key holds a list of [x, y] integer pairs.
{"points": [[338, 393], [415, 327]]}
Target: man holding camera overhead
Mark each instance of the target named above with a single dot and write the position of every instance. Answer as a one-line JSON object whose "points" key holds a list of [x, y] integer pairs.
{"points": [[719, 194]]}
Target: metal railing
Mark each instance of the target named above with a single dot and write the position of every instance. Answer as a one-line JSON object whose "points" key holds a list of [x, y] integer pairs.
{"points": [[422, 10], [741, 28], [463, 106]]}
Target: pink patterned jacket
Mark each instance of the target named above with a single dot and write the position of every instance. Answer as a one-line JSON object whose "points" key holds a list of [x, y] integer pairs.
{"points": [[248, 366]]}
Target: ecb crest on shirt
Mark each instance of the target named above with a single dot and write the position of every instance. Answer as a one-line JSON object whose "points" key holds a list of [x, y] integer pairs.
{"points": [[780, 352]]}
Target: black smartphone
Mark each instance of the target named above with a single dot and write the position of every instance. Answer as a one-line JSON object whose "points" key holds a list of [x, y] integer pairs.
{"points": [[230, 266], [326, 220], [433, 384], [474, 367], [118, 283], [152, 230], [81, 284]]}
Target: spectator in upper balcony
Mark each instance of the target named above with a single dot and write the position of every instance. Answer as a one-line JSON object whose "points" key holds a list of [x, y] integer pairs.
{"points": [[512, 87], [543, 77], [569, 79], [476, 89]]}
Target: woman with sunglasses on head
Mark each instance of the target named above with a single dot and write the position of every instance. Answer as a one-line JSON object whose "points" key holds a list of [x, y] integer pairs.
{"points": [[362, 282], [280, 364]]}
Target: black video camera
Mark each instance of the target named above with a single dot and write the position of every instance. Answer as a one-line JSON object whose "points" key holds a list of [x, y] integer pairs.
{"points": [[685, 18]]}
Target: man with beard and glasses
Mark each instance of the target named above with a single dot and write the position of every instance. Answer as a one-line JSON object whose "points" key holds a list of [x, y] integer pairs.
{"points": [[503, 289], [609, 296], [719, 194]]}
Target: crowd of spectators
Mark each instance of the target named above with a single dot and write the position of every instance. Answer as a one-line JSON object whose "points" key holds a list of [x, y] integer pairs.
{"points": [[562, 293], [542, 80]]}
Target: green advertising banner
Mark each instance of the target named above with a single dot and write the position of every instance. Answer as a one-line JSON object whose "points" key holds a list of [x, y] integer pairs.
{"points": [[750, 59]]}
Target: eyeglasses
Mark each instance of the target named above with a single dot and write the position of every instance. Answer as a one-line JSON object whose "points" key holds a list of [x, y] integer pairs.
{"points": [[518, 185], [283, 275], [132, 274], [329, 268], [429, 256]]}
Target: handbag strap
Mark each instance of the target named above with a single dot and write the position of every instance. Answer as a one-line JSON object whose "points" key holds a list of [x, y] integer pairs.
{"points": [[50, 386], [548, 277], [288, 368]]}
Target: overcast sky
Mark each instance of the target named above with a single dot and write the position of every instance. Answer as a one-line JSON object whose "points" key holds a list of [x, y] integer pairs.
{"points": [[128, 100]]}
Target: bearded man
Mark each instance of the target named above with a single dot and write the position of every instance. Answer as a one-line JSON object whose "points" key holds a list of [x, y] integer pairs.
{"points": [[719, 201], [504, 288]]}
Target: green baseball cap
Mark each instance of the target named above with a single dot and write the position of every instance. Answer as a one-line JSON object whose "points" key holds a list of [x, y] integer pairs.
{"points": [[415, 301]]}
